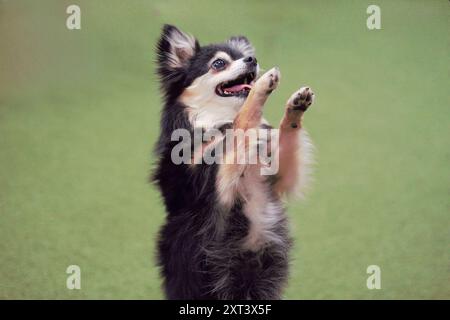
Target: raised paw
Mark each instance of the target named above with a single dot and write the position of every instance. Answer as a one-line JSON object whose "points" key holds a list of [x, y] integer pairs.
{"points": [[268, 81], [301, 100]]}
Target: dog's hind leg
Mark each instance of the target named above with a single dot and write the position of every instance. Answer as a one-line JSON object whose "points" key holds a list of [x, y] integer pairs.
{"points": [[294, 145]]}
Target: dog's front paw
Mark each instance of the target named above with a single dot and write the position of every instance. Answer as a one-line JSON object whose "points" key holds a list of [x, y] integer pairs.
{"points": [[268, 82], [301, 99]]}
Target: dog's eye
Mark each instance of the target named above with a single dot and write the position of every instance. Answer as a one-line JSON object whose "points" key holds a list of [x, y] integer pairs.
{"points": [[218, 64]]}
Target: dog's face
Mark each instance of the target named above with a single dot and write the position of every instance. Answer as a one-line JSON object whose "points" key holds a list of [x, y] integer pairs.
{"points": [[224, 71], [213, 79]]}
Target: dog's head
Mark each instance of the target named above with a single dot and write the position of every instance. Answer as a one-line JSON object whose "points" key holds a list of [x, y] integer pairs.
{"points": [[206, 78]]}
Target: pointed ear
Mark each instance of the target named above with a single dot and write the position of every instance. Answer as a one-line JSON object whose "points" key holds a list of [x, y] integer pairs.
{"points": [[242, 44], [175, 48]]}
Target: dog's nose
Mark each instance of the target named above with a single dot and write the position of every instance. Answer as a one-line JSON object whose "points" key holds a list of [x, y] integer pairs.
{"points": [[250, 60]]}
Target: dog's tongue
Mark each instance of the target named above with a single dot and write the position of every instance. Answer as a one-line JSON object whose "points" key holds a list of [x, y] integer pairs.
{"points": [[238, 87]]}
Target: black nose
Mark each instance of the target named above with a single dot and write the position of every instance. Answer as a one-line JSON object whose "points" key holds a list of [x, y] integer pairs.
{"points": [[250, 60]]}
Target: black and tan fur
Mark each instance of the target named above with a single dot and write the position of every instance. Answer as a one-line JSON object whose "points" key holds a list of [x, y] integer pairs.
{"points": [[226, 233]]}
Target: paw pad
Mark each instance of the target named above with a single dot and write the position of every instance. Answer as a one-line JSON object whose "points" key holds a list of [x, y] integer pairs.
{"points": [[273, 80], [301, 99], [268, 82]]}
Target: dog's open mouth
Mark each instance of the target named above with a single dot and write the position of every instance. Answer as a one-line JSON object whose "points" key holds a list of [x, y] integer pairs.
{"points": [[239, 87]]}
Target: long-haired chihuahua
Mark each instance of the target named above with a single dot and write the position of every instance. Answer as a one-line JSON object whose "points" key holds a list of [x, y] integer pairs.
{"points": [[226, 232]]}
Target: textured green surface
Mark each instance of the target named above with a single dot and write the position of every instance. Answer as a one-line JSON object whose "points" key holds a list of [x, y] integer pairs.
{"points": [[79, 115]]}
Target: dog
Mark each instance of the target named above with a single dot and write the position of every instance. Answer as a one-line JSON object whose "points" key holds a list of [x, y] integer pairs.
{"points": [[226, 233]]}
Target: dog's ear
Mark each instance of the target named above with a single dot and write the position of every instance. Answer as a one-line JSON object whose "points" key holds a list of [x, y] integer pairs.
{"points": [[242, 44], [175, 48]]}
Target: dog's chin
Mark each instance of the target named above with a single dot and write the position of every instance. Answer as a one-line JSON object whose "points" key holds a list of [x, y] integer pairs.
{"points": [[238, 87]]}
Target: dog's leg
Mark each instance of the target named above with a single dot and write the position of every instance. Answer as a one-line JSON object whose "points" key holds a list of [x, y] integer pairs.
{"points": [[294, 145], [249, 117], [251, 112]]}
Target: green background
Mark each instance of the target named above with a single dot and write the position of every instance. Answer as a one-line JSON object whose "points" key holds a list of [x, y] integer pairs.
{"points": [[79, 113]]}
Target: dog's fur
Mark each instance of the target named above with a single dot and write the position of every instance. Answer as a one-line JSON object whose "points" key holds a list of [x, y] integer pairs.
{"points": [[226, 233]]}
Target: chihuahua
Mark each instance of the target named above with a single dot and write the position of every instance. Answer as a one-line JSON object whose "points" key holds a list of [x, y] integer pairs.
{"points": [[226, 233]]}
